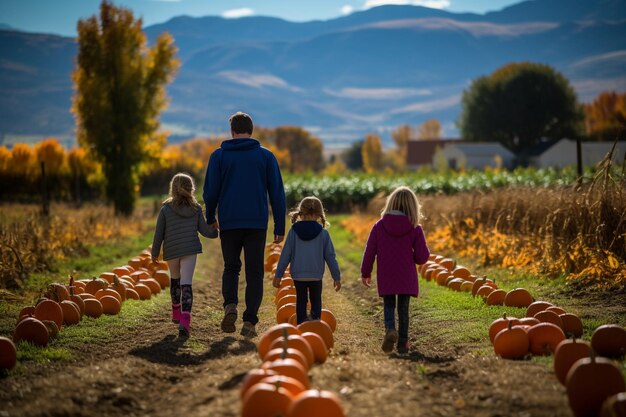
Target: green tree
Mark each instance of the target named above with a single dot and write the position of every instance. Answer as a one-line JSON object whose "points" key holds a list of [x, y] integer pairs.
{"points": [[518, 105], [353, 156], [372, 153], [119, 94]]}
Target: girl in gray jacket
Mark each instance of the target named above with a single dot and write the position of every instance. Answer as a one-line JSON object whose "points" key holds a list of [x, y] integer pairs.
{"points": [[307, 249], [177, 227]]}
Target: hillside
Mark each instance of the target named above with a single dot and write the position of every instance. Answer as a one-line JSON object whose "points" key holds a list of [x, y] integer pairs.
{"points": [[371, 70]]}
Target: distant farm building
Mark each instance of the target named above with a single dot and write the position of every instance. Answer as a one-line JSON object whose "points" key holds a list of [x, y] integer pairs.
{"points": [[562, 153], [457, 154]]}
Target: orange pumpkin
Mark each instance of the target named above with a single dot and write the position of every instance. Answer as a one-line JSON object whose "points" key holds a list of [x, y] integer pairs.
{"points": [[252, 377], [290, 368], [8, 354], [153, 284], [291, 353], [316, 403], [461, 272], [466, 286], [79, 284], [548, 316], [295, 341], [53, 329], [292, 385], [455, 284], [614, 406], [511, 343], [108, 276], [121, 270], [572, 325], [589, 382], [609, 340], [93, 308], [136, 262], [86, 296], [447, 263], [479, 282], [138, 276], [284, 291], [265, 400], [518, 297], [284, 312], [484, 291], [95, 285], [119, 288], [27, 311], [321, 328], [163, 278], [566, 354], [320, 350], [110, 292], [557, 310], [544, 338], [528, 321], [71, 312], [495, 298], [273, 333], [31, 330], [110, 305], [500, 324], [286, 282], [57, 292], [49, 310], [442, 277], [131, 294], [286, 299], [143, 291]]}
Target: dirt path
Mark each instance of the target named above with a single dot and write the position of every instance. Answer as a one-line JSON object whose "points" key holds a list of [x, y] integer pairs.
{"points": [[152, 372]]}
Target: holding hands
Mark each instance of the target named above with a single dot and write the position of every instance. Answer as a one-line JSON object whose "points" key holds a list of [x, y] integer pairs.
{"points": [[337, 285], [276, 282]]}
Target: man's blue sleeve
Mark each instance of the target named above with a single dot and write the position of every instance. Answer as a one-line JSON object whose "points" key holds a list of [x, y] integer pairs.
{"points": [[212, 187]]}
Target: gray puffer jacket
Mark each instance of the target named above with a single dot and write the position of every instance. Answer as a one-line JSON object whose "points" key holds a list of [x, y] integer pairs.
{"points": [[177, 229]]}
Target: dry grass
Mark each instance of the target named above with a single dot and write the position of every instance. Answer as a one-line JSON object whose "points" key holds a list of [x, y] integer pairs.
{"points": [[30, 242], [579, 232]]}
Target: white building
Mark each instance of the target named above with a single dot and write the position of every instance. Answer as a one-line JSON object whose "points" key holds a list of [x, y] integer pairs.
{"points": [[563, 153], [473, 155]]}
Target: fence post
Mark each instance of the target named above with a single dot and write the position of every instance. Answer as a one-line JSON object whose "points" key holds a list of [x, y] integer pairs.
{"points": [[45, 203]]}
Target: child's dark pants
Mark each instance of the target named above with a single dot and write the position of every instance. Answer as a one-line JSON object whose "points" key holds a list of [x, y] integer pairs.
{"points": [[306, 290], [403, 314]]}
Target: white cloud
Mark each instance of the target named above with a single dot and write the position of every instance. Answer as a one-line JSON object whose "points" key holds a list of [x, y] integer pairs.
{"points": [[377, 93], [237, 13], [257, 80], [433, 4], [347, 9], [430, 106]]}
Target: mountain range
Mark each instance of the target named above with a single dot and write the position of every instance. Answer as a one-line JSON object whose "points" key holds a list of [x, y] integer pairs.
{"points": [[369, 71]]}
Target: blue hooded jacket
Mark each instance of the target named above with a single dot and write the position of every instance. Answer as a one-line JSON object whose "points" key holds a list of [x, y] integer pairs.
{"points": [[240, 176], [307, 249]]}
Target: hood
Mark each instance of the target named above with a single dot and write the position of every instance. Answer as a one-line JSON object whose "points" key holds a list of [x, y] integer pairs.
{"points": [[307, 230], [396, 224], [242, 144], [184, 211]]}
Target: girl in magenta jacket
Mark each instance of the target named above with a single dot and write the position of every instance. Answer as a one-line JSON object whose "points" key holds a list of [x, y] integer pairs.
{"points": [[397, 243]]}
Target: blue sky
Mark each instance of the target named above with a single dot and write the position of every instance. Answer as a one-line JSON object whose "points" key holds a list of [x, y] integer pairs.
{"points": [[60, 16]]}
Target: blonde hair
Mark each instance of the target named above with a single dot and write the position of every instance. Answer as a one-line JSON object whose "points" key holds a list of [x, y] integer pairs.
{"points": [[310, 206], [404, 199], [182, 189]]}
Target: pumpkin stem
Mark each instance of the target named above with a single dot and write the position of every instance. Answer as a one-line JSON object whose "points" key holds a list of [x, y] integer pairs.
{"points": [[510, 324], [285, 343], [71, 285]]}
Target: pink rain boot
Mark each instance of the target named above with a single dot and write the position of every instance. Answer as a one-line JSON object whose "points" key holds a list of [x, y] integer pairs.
{"points": [[185, 322], [176, 313]]}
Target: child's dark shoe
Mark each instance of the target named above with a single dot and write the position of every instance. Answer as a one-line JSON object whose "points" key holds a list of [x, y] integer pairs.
{"points": [[391, 337], [176, 313], [403, 347], [185, 322]]}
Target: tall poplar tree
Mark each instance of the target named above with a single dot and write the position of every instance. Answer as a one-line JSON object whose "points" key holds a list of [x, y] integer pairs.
{"points": [[119, 95]]}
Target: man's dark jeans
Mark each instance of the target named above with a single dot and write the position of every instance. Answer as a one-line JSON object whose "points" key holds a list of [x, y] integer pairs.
{"points": [[252, 241], [403, 314], [306, 290]]}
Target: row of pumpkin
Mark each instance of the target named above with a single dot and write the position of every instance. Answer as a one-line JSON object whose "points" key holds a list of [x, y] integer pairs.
{"points": [[65, 305], [280, 387], [594, 383]]}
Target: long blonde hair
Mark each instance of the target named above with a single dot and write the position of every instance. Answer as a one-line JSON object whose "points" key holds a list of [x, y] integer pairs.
{"points": [[404, 199], [310, 206], [182, 189]]}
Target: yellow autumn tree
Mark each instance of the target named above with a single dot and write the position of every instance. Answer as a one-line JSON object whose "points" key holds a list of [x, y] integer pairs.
{"points": [[605, 117], [372, 153]]}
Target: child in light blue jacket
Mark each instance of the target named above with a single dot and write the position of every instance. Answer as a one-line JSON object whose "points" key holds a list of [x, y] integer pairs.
{"points": [[307, 249]]}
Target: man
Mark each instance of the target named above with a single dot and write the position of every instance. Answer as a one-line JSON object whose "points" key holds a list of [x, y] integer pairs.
{"points": [[240, 176]]}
